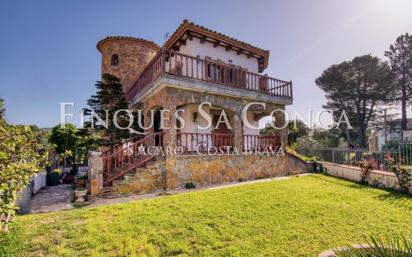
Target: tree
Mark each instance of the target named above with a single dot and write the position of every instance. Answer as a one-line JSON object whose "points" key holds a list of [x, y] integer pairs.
{"points": [[400, 58], [2, 109], [306, 146], [65, 140], [109, 99], [357, 87], [87, 141], [73, 144], [23, 153], [327, 138], [295, 130]]}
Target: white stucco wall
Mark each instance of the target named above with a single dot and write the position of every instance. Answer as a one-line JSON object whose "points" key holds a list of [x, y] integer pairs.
{"points": [[194, 48], [255, 123], [190, 125], [407, 135]]}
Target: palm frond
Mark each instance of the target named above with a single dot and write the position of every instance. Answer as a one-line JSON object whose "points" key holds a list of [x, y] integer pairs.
{"points": [[376, 247]]}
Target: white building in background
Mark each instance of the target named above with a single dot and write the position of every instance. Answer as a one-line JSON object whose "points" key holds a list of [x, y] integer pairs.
{"points": [[393, 132]]}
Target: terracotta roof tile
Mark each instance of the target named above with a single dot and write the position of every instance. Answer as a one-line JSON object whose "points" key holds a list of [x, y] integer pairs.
{"points": [[186, 25]]}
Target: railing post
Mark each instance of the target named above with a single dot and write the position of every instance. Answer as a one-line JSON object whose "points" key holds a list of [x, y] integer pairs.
{"points": [[163, 61]]}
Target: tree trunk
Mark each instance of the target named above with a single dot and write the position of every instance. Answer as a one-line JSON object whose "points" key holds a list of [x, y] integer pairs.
{"points": [[348, 139], [362, 134]]}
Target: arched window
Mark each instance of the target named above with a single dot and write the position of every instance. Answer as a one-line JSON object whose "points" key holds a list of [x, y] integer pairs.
{"points": [[115, 60]]}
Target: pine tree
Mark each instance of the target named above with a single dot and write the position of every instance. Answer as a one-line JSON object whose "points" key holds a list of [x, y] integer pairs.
{"points": [[400, 58], [357, 87], [110, 98]]}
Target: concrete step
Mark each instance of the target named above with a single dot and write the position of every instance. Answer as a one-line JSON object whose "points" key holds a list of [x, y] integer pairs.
{"points": [[118, 182], [130, 178], [109, 195], [109, 192], [139, 169], [108, 189]]}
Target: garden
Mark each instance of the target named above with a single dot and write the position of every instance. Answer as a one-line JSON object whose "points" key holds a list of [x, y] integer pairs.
{"points": [[301, 216]]}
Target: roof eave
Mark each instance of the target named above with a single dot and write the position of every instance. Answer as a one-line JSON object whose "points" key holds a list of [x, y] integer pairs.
{"points": [[188, 26]]}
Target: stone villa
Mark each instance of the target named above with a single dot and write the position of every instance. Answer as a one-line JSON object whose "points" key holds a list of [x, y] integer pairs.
{"points": [[195, 65]]}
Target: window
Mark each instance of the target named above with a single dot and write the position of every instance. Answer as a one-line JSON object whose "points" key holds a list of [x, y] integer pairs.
{"points": [[115, 60]]}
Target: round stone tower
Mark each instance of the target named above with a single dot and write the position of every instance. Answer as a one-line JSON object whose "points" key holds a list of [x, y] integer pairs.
{"points": [[126, 57]]}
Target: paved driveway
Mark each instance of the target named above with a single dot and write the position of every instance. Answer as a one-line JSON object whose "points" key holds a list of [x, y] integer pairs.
{"points": [[53, 198]]}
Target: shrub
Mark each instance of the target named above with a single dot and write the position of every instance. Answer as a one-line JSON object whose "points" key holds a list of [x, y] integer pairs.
{"points": [[190, 185], [404, 177], [366, 165], [306, 146]]}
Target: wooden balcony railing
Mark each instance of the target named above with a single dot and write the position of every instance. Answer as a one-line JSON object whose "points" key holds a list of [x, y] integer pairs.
{"points": [[204, 142], [175, 63], [260, 142]]}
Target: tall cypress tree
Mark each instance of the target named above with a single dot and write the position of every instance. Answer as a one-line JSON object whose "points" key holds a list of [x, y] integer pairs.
{"points": [[108, 99], [400, 58]]}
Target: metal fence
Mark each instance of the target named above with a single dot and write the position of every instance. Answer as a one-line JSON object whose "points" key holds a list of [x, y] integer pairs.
{"points": [[402, 154]]}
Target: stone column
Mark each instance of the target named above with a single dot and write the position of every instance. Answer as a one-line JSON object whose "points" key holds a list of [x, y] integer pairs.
{"points": [[238, 131], [95, 174], [169, 139]]}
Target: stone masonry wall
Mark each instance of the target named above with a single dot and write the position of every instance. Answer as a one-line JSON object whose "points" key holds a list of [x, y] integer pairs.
{"points": [[170, 98], [377, 178], [144, 180], [176, 171], [216, 169], [133, 58]]}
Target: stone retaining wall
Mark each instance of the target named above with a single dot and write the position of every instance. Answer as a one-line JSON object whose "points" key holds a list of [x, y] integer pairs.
{"points": [[217, 169], [377, 178], [175, 171]]}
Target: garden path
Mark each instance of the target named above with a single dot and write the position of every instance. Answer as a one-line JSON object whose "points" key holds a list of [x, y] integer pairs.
{"points": [[53, 198]]}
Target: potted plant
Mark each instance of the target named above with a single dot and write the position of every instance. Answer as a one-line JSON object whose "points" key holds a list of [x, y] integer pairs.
{"points": [[80, 191]]}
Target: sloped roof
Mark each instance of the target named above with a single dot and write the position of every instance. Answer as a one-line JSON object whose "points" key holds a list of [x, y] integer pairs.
{"points": [[190, 27]]}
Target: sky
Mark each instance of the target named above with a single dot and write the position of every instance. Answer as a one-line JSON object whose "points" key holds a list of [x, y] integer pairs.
{"points": [[48, 48]]}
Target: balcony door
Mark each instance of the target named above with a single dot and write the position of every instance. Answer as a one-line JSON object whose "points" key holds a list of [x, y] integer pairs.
{"points": [[221, 134]]}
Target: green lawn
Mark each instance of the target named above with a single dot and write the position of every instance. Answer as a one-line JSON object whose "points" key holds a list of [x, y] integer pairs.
{"points": [[297, 217]]}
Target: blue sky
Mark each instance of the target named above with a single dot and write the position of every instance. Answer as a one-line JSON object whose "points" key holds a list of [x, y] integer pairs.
{"points": [[48, 48]]}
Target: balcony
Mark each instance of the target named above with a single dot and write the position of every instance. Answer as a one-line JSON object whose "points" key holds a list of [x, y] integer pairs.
{"points": [[185, 66], [194, 142]]}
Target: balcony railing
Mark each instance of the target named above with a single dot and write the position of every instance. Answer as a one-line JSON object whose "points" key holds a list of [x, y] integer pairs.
{"points": [[178, 64], [260, 142], [194, 143]]}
